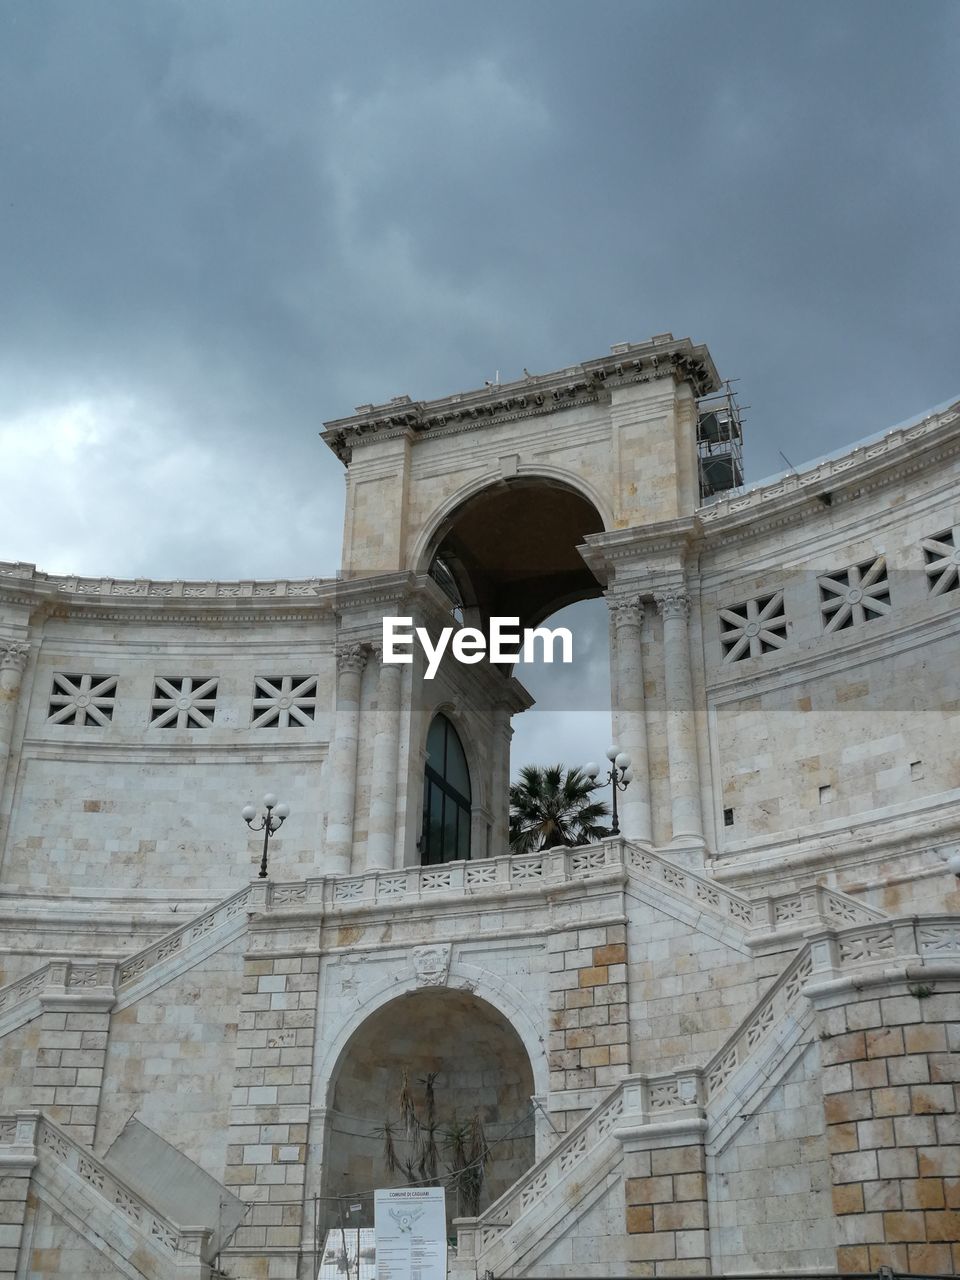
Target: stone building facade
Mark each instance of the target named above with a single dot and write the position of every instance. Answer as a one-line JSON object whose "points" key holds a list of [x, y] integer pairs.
{"points": [[725, 1040]]}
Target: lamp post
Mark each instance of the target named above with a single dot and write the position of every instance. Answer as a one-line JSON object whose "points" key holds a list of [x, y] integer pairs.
{"points": [[270, 824], [619, 778]]}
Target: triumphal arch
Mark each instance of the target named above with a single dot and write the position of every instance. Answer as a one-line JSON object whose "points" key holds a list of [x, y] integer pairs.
{"points": [[722, 1040]]}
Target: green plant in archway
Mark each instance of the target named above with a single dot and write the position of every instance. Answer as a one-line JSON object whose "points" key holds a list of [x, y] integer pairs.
{"points": [[553, 806]]}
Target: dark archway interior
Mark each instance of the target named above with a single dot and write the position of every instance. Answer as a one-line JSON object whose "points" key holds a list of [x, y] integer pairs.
{"points": [[482, 1064], [513, 550]]}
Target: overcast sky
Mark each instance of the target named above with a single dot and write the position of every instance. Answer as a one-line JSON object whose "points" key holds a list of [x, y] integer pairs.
{"points": [[224, 222]]}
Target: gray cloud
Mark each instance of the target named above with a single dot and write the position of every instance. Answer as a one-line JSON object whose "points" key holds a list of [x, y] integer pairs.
{"points": [[223, 223]]}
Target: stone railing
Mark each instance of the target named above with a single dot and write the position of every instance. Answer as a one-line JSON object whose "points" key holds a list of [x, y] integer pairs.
{"points": [[146, 588], [887, 946], [547, 870], [29, 1130], [812, 905], [230, 911], [478, 1235], [20, 1000], [702, 892], [649, 1099], [830, 470]]}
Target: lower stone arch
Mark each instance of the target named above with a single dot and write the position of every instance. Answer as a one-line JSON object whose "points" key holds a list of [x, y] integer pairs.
{"points": [[483, 1066]]}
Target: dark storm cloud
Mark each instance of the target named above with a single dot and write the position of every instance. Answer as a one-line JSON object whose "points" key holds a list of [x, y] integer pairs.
{"points": [[222, 223]]}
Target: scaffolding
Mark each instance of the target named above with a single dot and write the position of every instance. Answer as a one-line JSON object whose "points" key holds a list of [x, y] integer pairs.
{"points": [[719, 442]]}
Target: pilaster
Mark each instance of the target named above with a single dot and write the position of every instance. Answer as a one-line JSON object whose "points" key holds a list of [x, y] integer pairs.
{"points": [[674, 606], [72, 1046], [14, 655], [269, 1119], [342, 762], [626, 616], [891, 1077], [382, 831], [18, 1156], [589, 1031]]}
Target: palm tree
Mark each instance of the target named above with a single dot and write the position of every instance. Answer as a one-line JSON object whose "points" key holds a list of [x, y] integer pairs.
{"points": [[553, 806]]}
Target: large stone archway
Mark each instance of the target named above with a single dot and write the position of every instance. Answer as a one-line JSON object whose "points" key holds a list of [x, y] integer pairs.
{"points": [[481, 1064]]}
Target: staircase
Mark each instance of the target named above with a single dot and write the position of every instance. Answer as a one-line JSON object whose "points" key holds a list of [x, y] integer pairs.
{"points": [[131, 1237]]}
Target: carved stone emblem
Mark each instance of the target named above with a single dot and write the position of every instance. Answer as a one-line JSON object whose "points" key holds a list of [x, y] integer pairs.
{"points": [[431, 965]]}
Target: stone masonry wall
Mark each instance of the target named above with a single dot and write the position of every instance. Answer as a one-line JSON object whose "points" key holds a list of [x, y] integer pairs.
{"points": [[666, 1211], [267, 1148], [589, 1032], [891, 1081]]}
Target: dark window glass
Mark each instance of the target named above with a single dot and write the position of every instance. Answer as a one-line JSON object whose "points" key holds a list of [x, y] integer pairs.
{"points": [[446, 796]]}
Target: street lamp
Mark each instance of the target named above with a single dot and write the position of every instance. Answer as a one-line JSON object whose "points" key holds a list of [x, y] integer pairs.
{"points": [[619, 777], [270, 824]]}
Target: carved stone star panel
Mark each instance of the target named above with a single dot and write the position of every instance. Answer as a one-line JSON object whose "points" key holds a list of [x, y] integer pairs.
{"points": [[82, 699], [858, 594], [284, 701], [753, 628], [941, 555], [184, 702]]}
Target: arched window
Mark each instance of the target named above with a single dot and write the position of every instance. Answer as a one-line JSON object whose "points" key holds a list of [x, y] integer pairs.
{"points": [[446, 796]]}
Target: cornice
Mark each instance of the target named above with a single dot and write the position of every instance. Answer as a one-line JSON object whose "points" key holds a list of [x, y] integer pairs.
{"points": [[531, 396], [146, 600], [866, 469], [603, 552]]}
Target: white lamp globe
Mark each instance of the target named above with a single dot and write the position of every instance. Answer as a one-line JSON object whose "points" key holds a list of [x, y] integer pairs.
{"points": [[953, 862], [612, 752], [622, 761], [248, 813], [591, 770], [282, 810], [269, 800], [627, 775]]}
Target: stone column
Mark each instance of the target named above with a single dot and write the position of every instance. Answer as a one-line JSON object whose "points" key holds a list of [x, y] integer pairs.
{"points": [[342, 762], [674, 606], [13, 660], [635, 813], [500, 799], [381, 840]]}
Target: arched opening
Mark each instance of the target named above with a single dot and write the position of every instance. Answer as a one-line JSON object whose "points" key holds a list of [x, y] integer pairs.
{"points": [[447, 796], [511, 550], [481, 1067]]}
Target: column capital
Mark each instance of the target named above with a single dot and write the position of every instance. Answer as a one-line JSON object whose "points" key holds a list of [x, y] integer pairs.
{"points": [[351, 658], [14, 654], [673, 602], [626, 611]]}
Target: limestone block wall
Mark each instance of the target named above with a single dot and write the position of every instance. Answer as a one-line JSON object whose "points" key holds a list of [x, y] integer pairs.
{"points": [[828, 634], [689, 988], [891, 1081], [18, 1059], [590, 1035], [142, 805], [769, 1182], [666, 1209], [55, 1249], [169, 1061]]}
